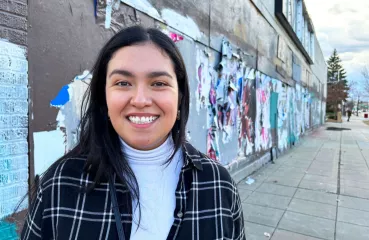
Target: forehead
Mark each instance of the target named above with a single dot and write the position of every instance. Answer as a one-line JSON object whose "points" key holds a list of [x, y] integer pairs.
{"points": [[144, 57]]}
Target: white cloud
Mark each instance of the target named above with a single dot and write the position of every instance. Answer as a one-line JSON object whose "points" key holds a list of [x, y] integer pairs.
{"points": [[343, 24]]}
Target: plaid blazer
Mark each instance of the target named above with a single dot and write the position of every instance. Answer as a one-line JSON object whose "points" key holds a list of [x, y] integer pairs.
{"points": [[207, 204]]}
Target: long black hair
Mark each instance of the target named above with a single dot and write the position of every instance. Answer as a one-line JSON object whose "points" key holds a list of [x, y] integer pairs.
{"points": [[97, 138]]}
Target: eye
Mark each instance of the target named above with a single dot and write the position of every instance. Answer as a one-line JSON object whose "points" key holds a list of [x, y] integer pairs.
{"points": [[159, 84], [123, 84]]}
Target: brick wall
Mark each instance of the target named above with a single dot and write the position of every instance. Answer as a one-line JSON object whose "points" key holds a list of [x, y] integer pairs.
{"points": [[13, 109], [13, 21]]}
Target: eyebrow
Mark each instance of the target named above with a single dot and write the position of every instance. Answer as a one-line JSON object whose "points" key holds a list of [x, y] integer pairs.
{"points": [[121, 72], [159, 74], [150, 75]]}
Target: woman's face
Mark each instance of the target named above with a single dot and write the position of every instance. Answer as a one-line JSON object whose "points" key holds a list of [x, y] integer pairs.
{"points": [[142, 95]]}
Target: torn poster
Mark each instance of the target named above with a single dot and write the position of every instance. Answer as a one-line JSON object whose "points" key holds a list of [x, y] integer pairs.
{"points": [[204, 79], [262, 122], [246, 114], [69, 100]]}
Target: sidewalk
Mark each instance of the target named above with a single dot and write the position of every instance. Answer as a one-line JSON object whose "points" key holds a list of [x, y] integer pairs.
{"points": [[318, 190]]}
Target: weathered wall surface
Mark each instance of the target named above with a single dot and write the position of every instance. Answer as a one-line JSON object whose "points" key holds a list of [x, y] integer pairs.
{"points": [[13, 111], [13, 126], [252, 89], [64, 40]]}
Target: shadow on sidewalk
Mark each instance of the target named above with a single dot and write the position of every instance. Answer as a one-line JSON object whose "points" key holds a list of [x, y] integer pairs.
{"points": [[337, 129]]}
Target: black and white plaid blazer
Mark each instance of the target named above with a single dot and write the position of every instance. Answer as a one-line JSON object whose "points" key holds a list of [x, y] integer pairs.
{"points": [[207, 204]]}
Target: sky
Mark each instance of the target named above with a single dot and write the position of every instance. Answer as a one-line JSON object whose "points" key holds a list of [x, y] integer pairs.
{"points": [[344, 25]]}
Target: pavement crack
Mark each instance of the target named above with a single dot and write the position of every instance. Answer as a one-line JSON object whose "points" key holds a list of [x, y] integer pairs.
{"points": [[339, 167], [338, 183]]}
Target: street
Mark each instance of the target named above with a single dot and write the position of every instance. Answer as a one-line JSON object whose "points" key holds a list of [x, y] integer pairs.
{"points": [[318, 190]]}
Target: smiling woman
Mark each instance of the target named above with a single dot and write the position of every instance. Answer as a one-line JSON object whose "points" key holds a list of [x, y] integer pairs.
{"points": [[133, 175], [142, 95]]}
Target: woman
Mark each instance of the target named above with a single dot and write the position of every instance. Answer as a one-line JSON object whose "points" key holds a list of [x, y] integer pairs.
{"points": [[132, 174]]}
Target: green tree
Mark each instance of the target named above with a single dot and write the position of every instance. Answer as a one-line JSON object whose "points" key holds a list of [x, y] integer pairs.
{"points": [[335, 70], [337, 88]]}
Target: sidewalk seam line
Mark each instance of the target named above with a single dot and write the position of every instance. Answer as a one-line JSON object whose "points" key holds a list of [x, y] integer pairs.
{"points": [[338, 184], [303, 234], [284, 212]]}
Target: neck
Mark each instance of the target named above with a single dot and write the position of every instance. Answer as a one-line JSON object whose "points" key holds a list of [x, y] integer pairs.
{"points": [[157, 156]]}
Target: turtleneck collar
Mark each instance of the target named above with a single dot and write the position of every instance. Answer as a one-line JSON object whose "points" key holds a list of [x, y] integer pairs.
{"points": [[157, 156]]}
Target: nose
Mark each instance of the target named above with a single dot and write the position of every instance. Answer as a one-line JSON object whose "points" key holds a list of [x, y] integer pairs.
{"points": [[141, 97]]}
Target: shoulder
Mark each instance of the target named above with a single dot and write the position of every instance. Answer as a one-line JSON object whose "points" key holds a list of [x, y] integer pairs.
{"points": [[212, 181], [215, 170], [211, 170], [64, 170]]}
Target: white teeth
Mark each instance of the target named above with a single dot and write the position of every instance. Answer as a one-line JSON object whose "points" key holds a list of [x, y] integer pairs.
{"points": [[142, 120]]}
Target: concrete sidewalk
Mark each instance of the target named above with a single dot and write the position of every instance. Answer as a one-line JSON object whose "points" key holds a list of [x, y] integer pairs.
{"points": [[318, 190]]}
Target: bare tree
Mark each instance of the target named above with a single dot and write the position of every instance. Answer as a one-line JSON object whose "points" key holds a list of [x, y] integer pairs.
{"points": [[336, 93], [355, 91], [365, 73], [350, 104]]}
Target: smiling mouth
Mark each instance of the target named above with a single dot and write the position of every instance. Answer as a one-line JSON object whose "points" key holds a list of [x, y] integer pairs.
{"points": [[142, 120]]}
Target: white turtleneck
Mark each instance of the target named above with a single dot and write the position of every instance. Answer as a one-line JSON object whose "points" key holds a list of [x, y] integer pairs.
{"points": [[157, 182]]}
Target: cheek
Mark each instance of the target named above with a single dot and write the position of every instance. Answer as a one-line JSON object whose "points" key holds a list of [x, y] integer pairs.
{"points": [[115, 102], [169, 105]]}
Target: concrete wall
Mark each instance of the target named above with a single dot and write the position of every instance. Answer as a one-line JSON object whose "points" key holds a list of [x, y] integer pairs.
{"points": [[13, 111], [276, 96], [64, 40]]}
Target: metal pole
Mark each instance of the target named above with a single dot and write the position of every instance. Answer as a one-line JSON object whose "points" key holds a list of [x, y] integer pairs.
{"points": [[338, 75]]}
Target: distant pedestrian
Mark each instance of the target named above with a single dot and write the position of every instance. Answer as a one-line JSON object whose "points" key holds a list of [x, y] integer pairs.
{"points": [[349, 112]]}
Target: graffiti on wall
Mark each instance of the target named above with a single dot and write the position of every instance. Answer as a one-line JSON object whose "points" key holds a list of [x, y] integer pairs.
{"points": [[214, 97], [204, 77], [229, 99], [246, 114], [205, 95], [291, 115], [316, 111], [324, 106], [230, 78], [299, 112], [239, 99], [65, 137], [282, 122], [307, 103], [293, 111], [263, 137], [13, 127], [212, 133], [68, 117]]}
